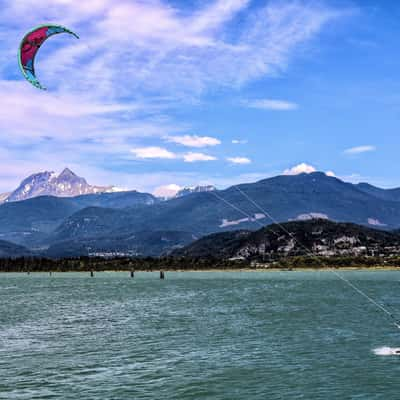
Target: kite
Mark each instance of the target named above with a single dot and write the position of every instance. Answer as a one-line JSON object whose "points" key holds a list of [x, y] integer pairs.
{"points": [[30, 46]]}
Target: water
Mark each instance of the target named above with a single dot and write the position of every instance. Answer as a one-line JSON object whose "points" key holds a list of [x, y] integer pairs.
{"points": [[217, 336]]}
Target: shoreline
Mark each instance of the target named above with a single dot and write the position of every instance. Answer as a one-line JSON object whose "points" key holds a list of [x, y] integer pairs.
{"points": [[217, 270], [183, 264]]}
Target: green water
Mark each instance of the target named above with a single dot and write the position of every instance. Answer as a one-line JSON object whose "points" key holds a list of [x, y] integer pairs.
{"points": [[293, 335]]}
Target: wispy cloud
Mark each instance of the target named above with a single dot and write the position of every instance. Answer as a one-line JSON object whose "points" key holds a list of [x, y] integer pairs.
{"points": [[194, 157], [167, 50], [360, 149], [239, 141], [239, 160], [194, 140], [270, 104], [29, 114]]}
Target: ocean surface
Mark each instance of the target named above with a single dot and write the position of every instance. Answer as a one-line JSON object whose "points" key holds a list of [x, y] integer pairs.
{"points": [[272, 335]]}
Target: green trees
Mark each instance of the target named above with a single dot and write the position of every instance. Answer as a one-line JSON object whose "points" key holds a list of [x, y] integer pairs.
{"points": [[170, 263]]}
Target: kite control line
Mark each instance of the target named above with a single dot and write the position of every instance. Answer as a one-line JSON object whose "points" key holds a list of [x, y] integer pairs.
{"points": [[308, 251]]}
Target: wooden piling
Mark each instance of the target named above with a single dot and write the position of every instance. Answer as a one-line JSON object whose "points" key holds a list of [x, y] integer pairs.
{"points": [[162, 275]]}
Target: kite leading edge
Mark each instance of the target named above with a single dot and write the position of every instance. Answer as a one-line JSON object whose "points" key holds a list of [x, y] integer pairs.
{"points": [[30, 45]]}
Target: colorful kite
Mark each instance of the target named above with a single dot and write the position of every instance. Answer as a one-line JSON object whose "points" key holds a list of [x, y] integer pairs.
{"points": [[30, 46]]}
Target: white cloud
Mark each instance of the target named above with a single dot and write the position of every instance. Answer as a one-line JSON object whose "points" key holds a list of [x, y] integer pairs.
{"points": [[153, 152], [239, 160], [305, 168], [270, 104], [239, 141], [194, 140], [360, 149], [193, 157], [300, 169], [167, 190]]}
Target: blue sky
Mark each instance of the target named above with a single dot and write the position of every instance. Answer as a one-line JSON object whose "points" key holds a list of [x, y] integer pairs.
{"points": [[159, 93]]}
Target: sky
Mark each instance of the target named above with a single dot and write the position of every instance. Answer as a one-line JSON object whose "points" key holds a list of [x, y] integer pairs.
{"points": [[157, 94]]}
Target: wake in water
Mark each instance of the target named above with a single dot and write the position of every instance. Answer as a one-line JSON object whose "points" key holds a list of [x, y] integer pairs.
{"points": [[387, 351]]}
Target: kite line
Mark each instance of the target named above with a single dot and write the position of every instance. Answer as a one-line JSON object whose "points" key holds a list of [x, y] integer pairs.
{"points": [[395, 321]]}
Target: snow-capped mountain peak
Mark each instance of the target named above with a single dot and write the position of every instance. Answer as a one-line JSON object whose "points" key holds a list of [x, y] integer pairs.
{"points": [[67, 174], [48, 183]]}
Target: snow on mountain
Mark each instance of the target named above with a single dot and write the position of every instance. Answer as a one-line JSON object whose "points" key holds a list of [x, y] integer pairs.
{"points": [[196, 189], [3, 197], [66, 184]]}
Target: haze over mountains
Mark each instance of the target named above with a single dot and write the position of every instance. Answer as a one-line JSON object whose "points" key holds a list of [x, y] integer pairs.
{"points": [[138, 223]]}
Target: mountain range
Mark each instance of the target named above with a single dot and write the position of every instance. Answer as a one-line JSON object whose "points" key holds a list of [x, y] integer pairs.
{"points": [[68, 184], [316, 237], [139, 223]]}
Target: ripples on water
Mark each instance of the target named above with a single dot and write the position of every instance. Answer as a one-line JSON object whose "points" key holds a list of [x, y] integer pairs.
{"points": [[197, 336]]}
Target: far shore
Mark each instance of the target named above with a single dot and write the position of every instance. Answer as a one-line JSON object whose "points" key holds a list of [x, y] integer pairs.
{"points": [[185, 264], [217, 270]]}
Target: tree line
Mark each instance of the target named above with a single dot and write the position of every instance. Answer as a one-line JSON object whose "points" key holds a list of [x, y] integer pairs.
{"points": [[84, 264]]}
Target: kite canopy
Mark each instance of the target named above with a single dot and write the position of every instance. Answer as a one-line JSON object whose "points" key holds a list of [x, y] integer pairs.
{"points": [[30, 46]]}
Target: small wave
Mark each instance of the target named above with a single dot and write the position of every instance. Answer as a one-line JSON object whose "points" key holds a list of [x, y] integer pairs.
{"points": [[387, 351]]}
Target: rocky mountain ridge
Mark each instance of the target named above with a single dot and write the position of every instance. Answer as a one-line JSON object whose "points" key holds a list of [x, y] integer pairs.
{"points": [[47, 183], [195, 189], [314, 238]]}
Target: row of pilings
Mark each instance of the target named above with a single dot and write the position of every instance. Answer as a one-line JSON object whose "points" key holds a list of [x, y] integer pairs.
{"points": [[132, 274]]}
